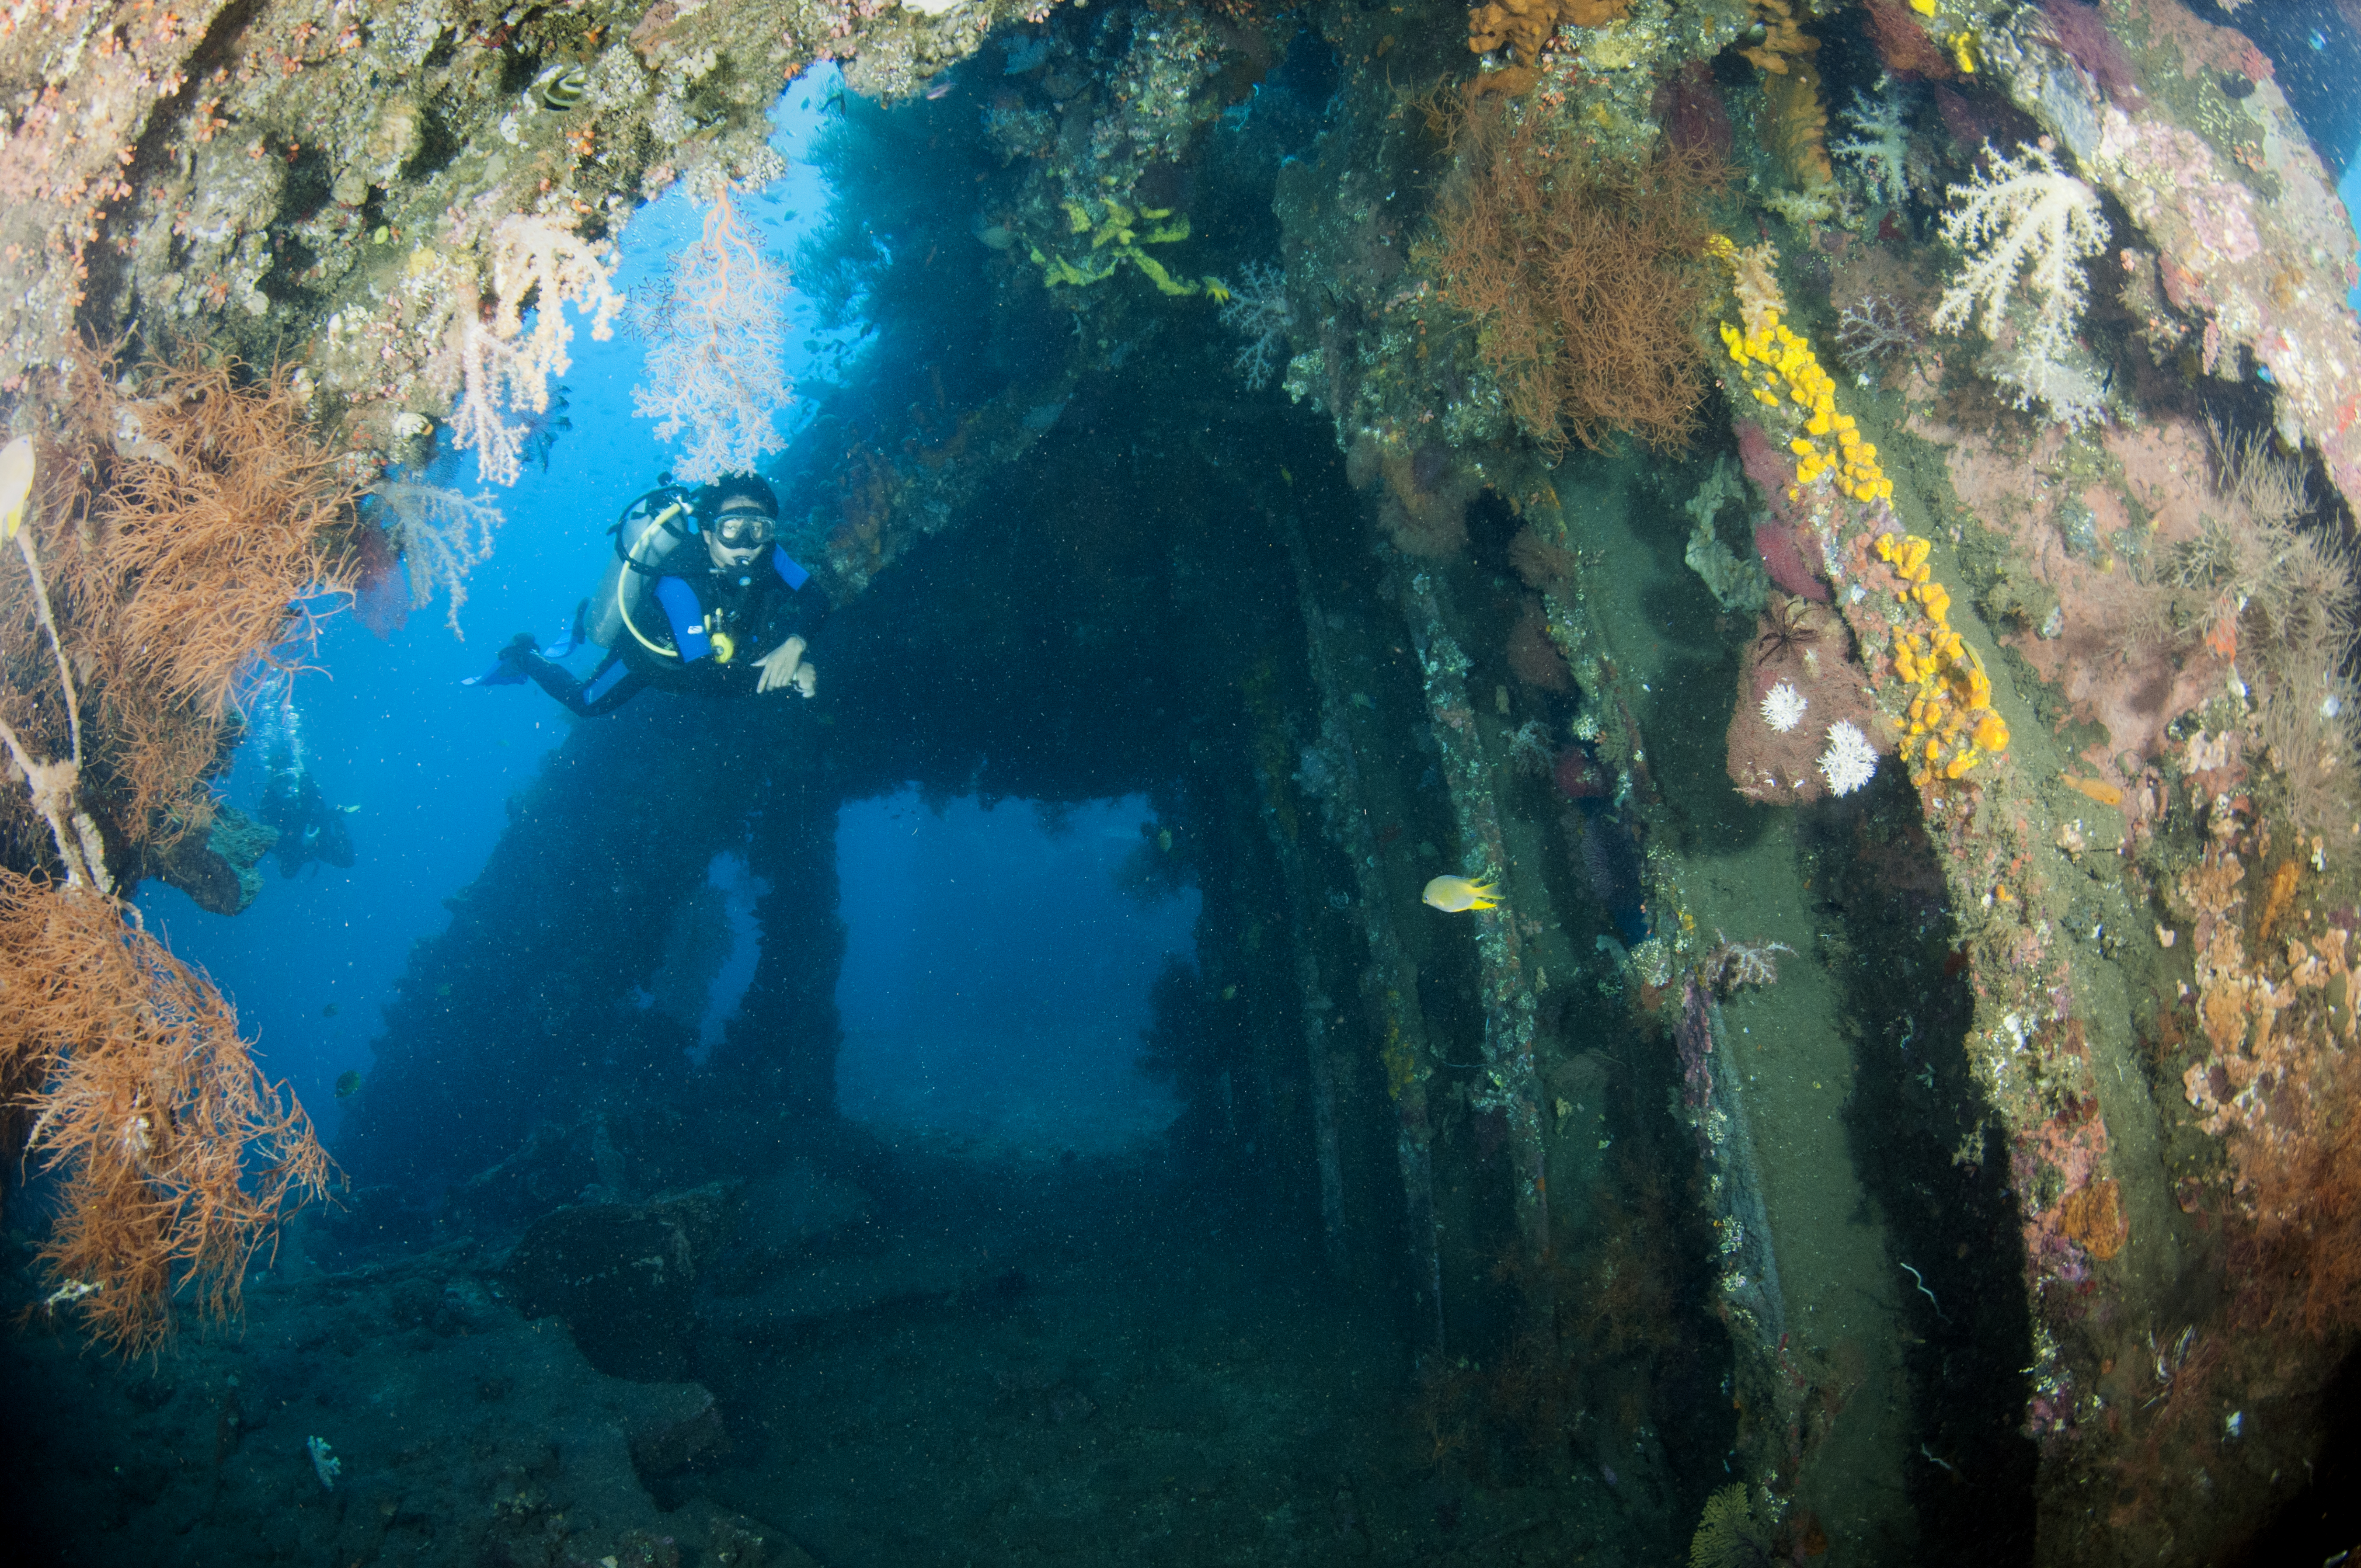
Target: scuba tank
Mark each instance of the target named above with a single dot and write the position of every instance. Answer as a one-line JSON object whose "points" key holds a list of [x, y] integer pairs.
{"points": [[652, 531]]}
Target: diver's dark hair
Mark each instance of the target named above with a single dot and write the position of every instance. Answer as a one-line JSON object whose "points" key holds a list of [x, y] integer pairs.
{"points": [[729, 487]]}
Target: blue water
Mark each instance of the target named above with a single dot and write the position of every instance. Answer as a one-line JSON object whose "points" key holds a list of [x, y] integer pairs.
{"points": [[387, 726], [996, 982]]}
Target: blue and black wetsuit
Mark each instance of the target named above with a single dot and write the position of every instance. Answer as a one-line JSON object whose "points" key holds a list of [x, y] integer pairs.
{"points": [[716, 622]]}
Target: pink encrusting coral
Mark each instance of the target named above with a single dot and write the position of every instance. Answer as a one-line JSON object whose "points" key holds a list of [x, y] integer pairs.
{"points": [[2049, 1163], [2269, 276], [2084, 620], [1783, 535]]}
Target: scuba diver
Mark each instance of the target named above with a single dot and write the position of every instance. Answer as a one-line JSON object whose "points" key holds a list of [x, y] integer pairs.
{"points": [[698, 582], [309, 827]]}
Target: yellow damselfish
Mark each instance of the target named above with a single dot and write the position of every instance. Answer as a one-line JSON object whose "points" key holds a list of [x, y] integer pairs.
{"points": [[1457, 895]]}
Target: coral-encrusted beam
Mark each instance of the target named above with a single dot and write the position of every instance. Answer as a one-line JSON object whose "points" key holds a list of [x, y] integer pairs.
{"points": [[1509, 1084], [1404, 1052]]}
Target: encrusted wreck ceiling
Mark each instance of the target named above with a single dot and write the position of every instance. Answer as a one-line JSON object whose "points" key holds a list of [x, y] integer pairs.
{"points": [[317, 181]]}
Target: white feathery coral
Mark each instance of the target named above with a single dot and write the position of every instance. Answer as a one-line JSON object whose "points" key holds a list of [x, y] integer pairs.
{"points": [[1850, 760], [498, 363], [2073, 396], [1258, 312], [2025, 215], [1881, 153], [1782, 708]]}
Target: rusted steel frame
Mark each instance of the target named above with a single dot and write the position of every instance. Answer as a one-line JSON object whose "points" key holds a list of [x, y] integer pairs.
{"points": [[1509, 1083], [1302, 910], [1349, 827]]}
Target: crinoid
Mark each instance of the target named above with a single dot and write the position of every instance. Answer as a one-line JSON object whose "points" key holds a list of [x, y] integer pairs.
{"points": [[1733, 964], [1792, 625]]}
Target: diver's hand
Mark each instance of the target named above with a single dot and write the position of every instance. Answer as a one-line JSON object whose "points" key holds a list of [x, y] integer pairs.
{"points": [[779, 667]]}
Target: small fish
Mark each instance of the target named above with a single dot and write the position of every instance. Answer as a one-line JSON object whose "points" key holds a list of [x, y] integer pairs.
{"points": [[561, 86], [1457, 895], [329, 1011], [2319, 40], [2099, 790], [940, 87], [16, 485], [348, 1083], [443, 988], [541, 433]]}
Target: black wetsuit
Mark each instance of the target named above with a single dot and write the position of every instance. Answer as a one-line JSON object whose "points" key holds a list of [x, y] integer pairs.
{"points": [[693, 605], [309, 827]]}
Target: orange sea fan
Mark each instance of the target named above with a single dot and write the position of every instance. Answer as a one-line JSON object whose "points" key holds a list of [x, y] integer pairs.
{"points": [[1587, 280], [124, 1078], [229, 511], [182, 524]]}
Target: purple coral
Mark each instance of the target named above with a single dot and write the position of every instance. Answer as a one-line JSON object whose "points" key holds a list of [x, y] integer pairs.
{"points": [[1693, 1038]]}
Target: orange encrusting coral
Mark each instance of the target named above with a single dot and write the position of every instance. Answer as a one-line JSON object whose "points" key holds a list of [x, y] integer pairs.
{"points": [[1952, 725], [2283, 1083], [1789, 373], [1782, 37], [2093, 1217], [1528, 25], [1799, 125], [1796, 120]]}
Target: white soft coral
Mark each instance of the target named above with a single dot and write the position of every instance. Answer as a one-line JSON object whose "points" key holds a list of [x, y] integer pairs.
{"points": [[1782, 708], [1881, 152], [498, 364], [2025, 215], [1850, 760]]}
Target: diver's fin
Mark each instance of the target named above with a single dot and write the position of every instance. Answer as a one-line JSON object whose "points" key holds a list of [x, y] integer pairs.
{"points": [[570, 636], [509, 669]]}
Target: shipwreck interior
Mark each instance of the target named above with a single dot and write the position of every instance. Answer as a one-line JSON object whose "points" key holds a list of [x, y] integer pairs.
{"points": [[1426, 1054], [1169, 602]]}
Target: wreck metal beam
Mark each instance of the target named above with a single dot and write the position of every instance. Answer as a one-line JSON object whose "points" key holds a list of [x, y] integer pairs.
{"points": [[1509, 1083]]}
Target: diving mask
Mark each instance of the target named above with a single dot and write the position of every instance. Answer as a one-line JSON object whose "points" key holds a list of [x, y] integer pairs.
{"points": [[743, 530]]}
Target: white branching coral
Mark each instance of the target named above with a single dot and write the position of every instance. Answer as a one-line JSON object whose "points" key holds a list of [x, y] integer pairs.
{"points": [[2073, 396], [1733, 964], [1850, 760], [1879, 153], [500, 366], [716, 351], [1258, 312], [2023, 216], [1783, 707], [441, 534]]}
